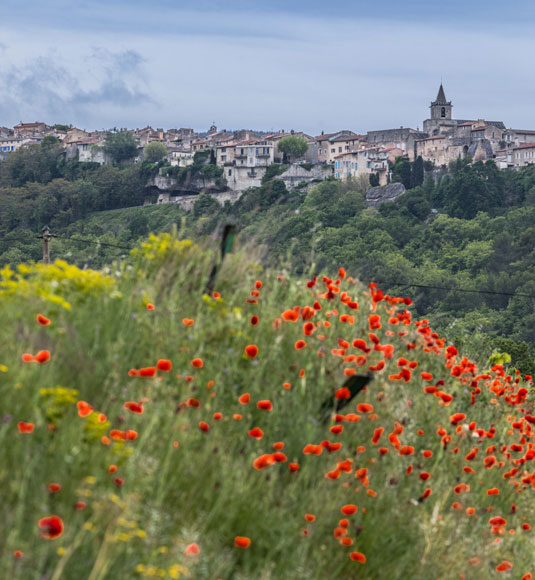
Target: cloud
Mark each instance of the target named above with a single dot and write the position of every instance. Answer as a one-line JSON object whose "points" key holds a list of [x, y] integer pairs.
{"points": [[45, 88]]}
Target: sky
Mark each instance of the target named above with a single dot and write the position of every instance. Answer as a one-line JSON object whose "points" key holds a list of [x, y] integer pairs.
{"points": [[310, 65]]}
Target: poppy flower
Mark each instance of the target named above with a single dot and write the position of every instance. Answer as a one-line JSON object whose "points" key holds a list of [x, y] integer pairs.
{"points": [[251, 350], [504, 566], [290, 316], [80, 506], [149, 306], [493, 491], [54, 487], [84, 409], [18, 554], [300, 344], [51, 527], [364, 408], [147, 372], [112, 468], [119, 481], [43, 320], [192, 550], [349, 509], [188, 321], [164, 365], [263, 461], [293, 467], [254, 320], [456, 418], [25, 427], [242, 542], [131, 435], [134, 407], [256, 433], [358, 557], [310, 517], [278, 446], [217, 416], [265, 405], [244, 399]]}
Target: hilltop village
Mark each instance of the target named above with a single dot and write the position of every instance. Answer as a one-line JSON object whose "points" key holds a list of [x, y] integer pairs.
{"points": [[243, 157]]}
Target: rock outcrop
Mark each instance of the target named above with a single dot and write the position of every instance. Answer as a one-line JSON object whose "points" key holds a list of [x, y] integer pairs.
{"points": [[383, 193]]}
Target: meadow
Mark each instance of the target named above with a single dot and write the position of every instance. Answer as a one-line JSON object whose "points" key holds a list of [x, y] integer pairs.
{"points": [[151, 430]]}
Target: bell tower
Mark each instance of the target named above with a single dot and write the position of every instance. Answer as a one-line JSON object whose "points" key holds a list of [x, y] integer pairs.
{"points": [[440, 108]]}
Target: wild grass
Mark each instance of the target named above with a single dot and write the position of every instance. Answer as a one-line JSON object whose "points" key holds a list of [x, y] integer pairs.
{"points": [[182, 485]]}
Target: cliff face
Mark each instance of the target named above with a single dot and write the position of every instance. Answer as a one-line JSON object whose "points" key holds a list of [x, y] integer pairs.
{"points": [[189, 185], [381, 194]]}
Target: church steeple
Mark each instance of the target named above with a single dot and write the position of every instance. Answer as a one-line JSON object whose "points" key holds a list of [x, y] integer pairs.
{"points": [[440, 107]]}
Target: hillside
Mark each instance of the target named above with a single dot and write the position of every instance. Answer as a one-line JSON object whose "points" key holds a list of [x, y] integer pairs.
{"points": [[166, 429]]}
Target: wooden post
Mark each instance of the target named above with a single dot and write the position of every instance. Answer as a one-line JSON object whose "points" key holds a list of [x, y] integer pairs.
{"points": [[46, 244]]}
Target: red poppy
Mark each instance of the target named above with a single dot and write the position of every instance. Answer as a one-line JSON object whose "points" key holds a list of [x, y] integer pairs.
{"points": [[256, 433], [42, 356], [364, 408], [251, 350], [54, 487], [254, 320], [84, 409], [203, 426], [217, 416], [131, 435], [493, 491], [43, 320], [164, 365], [300, 344], [293, 467], [197, 363], [192, 550], [358, 557], [424, 476], [242, 542], [265, 405], [244, 399], [18, 554], [147, 372], [263, 461], [134, 407], [290, 316], [504, 566], [278, 446], [25, 427], [310, 517], [188, 321], [456, 418], [349, 509], [51, 527]]}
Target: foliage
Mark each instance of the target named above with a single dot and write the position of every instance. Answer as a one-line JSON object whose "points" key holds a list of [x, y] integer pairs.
{"points": [[273, 171], [292, 146], [154, 152], [120, 146], [170, 500]]}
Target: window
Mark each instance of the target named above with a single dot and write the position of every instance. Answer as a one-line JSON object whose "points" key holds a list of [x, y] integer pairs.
{"points": [[229, 172], [339, 150], [333, 150], [443, 112], [224, 150], [368, 164]]}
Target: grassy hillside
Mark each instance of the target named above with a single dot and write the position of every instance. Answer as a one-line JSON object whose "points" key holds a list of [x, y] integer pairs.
{"points": [[424, 474]]}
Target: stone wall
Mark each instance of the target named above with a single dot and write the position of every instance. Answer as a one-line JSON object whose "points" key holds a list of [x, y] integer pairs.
{"points": [[296, 174], [186, 201]]}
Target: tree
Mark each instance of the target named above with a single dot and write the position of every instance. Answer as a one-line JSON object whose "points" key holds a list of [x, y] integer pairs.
{"points": [[154, 152], [293, 146], [417, 175], [120, 146], [374, 179], [401, 172], [48, 141]]}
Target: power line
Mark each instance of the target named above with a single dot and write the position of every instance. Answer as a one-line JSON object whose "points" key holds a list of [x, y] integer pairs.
{"points": [[93, 242], [386, 282], [468, 290]]}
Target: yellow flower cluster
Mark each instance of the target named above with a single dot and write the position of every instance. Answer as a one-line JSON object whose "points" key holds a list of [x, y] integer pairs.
{"points": [[52, 282], [160, 248], [56, 400]]}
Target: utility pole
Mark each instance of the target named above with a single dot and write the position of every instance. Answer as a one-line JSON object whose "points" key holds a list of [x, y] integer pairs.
{"points": [[46, 236]]}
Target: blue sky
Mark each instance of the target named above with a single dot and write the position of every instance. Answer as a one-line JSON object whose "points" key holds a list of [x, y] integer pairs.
{"points": [[309, 65]]}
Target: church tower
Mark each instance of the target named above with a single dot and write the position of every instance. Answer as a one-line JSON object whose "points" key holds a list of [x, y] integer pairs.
{"points": [[440, 108]]}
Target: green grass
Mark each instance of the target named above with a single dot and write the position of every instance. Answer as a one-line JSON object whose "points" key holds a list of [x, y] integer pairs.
{"points": [[205, 489]]}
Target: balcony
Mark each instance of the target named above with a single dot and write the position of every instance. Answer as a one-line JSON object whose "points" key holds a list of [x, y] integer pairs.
{"points": [[379, 165]]}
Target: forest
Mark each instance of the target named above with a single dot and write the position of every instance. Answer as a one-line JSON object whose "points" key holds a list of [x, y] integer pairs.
{"points": [[461, 246]]}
